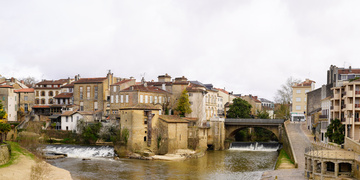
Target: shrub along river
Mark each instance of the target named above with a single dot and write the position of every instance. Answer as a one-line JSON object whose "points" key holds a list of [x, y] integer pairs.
{"points": [[241, 161]]}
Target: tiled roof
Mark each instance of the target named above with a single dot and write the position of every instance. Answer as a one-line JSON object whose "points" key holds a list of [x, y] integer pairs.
{"points": [[144, 89], [347, 71], [142, 106], [50, 82], [305, 83], [6, 86], [41, 106], [68, 113], [30, 90], [90, 80], [222, 90], [64, 95], [159, 83], [172, 119], [121, 82], [71, 85]]}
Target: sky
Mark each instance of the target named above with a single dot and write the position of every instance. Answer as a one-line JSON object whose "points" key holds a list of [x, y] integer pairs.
{"points": [[248, 47]]}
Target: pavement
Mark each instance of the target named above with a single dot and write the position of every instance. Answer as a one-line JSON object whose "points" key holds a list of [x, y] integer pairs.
{"points": [[300, 138]]}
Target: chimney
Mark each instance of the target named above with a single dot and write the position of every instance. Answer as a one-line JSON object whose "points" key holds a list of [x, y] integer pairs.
{"points": [[349, 68], [68, 81], [145, 84], [22, 81], [12, 79]]}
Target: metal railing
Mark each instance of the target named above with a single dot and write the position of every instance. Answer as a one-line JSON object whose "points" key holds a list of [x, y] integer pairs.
{"points": [[320, 152], [254, 121]]}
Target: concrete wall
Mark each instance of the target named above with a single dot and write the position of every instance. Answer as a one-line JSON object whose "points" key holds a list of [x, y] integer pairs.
{"points": [[287, 144], [216, 134], [5, 154], [351, 144]]}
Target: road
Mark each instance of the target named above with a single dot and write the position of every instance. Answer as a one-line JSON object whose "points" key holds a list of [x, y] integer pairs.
{"points": [[300, 138]]}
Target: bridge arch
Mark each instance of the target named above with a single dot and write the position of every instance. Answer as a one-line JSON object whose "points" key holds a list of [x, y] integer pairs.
{"points": [[234, 125]]}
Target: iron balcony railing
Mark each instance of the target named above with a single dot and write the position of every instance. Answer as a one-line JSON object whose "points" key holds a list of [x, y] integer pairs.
{"points": [[323, 116]]}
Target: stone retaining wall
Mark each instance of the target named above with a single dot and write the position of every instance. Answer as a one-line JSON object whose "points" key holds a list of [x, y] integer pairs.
{"points": [[5, 153], [287, 145]]}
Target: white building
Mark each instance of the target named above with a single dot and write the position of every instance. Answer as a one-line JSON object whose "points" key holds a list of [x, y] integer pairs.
{"points": [[69, 120], [9, 101]]}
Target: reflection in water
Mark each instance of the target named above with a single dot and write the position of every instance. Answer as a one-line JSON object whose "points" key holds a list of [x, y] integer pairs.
{"points": [[214, 165]]}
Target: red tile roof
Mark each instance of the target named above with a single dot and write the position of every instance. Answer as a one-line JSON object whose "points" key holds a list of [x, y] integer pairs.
{"points": [[29, 90], [68, 113], [6, 86], [90, 80], [121, 82], [144, 89], [71, 85], [41, 106], [305, 83], [64, 95], [53, 82], [222, 90], [347, 71]]}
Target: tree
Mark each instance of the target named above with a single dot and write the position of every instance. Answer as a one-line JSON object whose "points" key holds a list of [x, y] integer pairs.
{"points": [[283, 112], [263, 114], [284, 94], [3, 114], [336, 131], [183, 106], [239, 109], [29, 81], [4, 129]]}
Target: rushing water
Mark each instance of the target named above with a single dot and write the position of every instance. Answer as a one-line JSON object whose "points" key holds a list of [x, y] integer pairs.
{"points": [[229, 164]]}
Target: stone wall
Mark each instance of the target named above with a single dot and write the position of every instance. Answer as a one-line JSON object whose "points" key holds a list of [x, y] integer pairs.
{"points": [[351, 144], [287, 145], [5, 153]]}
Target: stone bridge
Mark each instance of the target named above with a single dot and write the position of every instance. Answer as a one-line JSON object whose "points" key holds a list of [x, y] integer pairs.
{"points": [[232, 126]]}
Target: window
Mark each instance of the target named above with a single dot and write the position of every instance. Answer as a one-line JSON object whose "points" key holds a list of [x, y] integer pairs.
{"points": [[298, 107], [50, 101], [160, 99], [81, 92], [305, 108], [306, 91], [67, 119], [127, 98], [298, 99], [95, 92], [42, 93], [51, 93], [37, 101], [26, 107], [151, 99], [305, 99], [37, 93], [56, 93], [112, 99], [121, 98], [141, 98], [298, 91], [25, 98], [42, 101], [95, 106], [146, 98], [71, 119], [88, 92], [117, 99], [145, 121], [81, 106], [155, 99]]}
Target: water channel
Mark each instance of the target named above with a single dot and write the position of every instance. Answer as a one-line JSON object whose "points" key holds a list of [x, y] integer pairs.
{"points": [[234, 163]]}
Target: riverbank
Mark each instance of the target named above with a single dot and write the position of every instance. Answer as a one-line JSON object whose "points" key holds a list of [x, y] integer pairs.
{"points": [[24, 165]]}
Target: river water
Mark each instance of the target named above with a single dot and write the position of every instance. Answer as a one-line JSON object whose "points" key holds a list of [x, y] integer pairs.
{"points": [[228, 164]]}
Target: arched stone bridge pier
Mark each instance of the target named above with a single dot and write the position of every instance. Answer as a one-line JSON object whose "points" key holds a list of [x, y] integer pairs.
{"points": [[234, 125]]}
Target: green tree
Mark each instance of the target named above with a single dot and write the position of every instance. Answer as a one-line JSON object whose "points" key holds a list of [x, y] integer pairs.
{"points": [[4, 129], [263, 114], [2, 112], [336, 131], [90, 133], [239, 109], [183, 106]]}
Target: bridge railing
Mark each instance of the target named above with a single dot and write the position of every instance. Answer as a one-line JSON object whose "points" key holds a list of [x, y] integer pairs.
{"points": [[257, 121]]}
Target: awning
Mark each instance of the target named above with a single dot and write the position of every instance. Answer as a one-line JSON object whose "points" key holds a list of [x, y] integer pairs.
{"points": [[54, 116]]}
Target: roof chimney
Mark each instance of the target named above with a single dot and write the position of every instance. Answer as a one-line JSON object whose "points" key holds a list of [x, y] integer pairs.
{"points": [[349, 68]]}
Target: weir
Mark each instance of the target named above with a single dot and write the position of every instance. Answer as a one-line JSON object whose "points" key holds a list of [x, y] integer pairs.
{"points": [[77, 151], [255, 146]]}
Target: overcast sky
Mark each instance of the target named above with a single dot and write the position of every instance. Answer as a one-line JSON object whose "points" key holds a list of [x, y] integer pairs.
{"points": [[248, 47]]}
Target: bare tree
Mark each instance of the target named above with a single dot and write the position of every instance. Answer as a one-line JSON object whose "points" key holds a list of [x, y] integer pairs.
{"points": [[29, 81], [284, 94]]}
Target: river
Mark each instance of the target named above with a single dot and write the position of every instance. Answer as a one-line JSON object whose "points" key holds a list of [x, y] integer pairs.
{"points": [[228, 164]]}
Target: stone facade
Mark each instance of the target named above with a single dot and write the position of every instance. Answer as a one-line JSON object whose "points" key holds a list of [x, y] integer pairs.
{"points": [[254, 102], [26, 99], [4, 154]]}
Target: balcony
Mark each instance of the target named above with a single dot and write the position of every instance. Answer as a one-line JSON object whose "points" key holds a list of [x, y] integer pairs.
{"points": [[343, 119], [331, 107], [343, 106], [357, 92], [357, 105], [357, 119]]}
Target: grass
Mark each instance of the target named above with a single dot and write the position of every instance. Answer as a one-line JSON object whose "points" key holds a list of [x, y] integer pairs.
{"points": [[283, 159], [16, 151]]}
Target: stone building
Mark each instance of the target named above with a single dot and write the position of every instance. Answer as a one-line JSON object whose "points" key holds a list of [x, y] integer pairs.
{"points": [[9, 101], [92, 94], [115, 97], [254, 102], [26, 99], [337, 75]]}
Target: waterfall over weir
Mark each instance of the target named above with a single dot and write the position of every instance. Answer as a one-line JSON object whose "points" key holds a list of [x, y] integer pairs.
{"points": [[81, 151], [255, 146]]}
